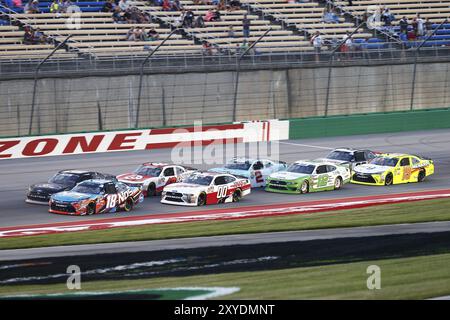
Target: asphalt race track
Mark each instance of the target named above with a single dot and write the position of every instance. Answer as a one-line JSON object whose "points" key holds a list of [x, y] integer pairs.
{"points": [[17, 174]]}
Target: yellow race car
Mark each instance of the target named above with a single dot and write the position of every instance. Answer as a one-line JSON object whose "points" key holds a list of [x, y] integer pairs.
{"points": [[393, 168]]}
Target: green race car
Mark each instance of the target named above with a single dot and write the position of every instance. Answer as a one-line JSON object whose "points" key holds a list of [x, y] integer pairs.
{"points": [[308, 176]]}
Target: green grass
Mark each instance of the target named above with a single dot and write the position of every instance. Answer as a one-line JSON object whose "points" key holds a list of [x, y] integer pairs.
{"points": [[404, 278], [420, 211]]}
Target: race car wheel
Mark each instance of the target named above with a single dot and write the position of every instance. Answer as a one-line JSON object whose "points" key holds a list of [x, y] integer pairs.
{"points": [[337, 183], [421, 176], [90, 210], [389, 180], [237, 195], [151, 190], [128, 205], [304, 188], [201, 200]]}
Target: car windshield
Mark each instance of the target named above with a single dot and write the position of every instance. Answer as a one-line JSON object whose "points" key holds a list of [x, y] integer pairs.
{"points": [[385, 162], [238, 165], [301, 168], [199, 179], [64, 179], [148, 171], [341, 155], [89, 188]]}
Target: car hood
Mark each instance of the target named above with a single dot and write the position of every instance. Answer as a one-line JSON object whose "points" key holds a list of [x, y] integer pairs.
{"points": [[133, 178], [184, 188], [286, 175], [244, 173], [371, 168], [48, 187], [69, 196]]}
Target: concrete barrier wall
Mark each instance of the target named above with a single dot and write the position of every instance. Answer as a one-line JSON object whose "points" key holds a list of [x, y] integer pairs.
{"points": [[108, 103]]}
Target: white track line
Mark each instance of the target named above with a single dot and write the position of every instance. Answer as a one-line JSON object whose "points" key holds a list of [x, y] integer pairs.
{"points": [[305, 145]]}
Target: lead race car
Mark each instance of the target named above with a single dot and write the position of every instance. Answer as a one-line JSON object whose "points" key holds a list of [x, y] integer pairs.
{"points": [[203, 188], [256, 170], [63, 180], [96, 196], [308, 176], [394, 168], [152, 177]]}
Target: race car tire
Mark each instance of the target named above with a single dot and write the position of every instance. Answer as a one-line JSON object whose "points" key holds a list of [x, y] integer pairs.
{"points": [[389, 180], [237, 195], [128, 205], [201, 200], [151, 190], [421, 176], [338, 183], [90, 209], [304, 188]]}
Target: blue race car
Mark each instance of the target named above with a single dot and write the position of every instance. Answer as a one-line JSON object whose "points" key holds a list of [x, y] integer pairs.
{"points": [[256, 170], [96, 196]]}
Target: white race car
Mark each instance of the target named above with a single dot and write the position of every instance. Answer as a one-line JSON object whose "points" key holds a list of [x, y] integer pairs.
{"points": [[256, 170], [153, 177], [203, 188]]}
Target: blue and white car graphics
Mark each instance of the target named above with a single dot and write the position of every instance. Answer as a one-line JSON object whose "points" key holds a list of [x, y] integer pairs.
{"points": [[256, 170]]}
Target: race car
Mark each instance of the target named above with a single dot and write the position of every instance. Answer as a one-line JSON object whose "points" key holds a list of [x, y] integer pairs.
{"points": [[256, 170], [203, 188], [96, 196], [153, 177], [308, 176], [63, 180], [388, 169], [349, 157]]}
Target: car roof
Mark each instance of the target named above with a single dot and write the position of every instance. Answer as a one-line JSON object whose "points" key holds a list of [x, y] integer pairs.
{"points": [[99, 181], [243, 159], [156, 164], [315, 162], [394, 155], [77, 172]]}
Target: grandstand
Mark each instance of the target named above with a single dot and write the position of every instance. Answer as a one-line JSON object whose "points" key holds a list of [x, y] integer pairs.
{"points": [[289, 26]]}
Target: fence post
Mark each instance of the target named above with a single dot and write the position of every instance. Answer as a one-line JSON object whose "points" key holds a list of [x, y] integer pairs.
{"points": [[327, 98], [36, 72], [141, 75], [238, 70]]}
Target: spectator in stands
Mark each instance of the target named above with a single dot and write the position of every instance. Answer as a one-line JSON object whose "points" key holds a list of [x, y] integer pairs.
{"points": [[109, 6], [209, 16], [65, 5], [153, 35], [207, 48], [243, 47], [38, 36], [317, 42], [330, 16], [404, 25], [55, 6], [166, 5], [17, 4], [415, 26], [176, 5], [32, 7], [221, 5], [216, 15], [124, 5], [188, 19], [231, 33], [234, 5], [117, 15], [387, 17], [199, 22], [420, 26], [246, 26], [28, 36]]}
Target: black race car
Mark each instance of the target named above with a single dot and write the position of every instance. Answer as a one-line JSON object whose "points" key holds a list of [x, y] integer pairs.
{"points": [[64, 180]]}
